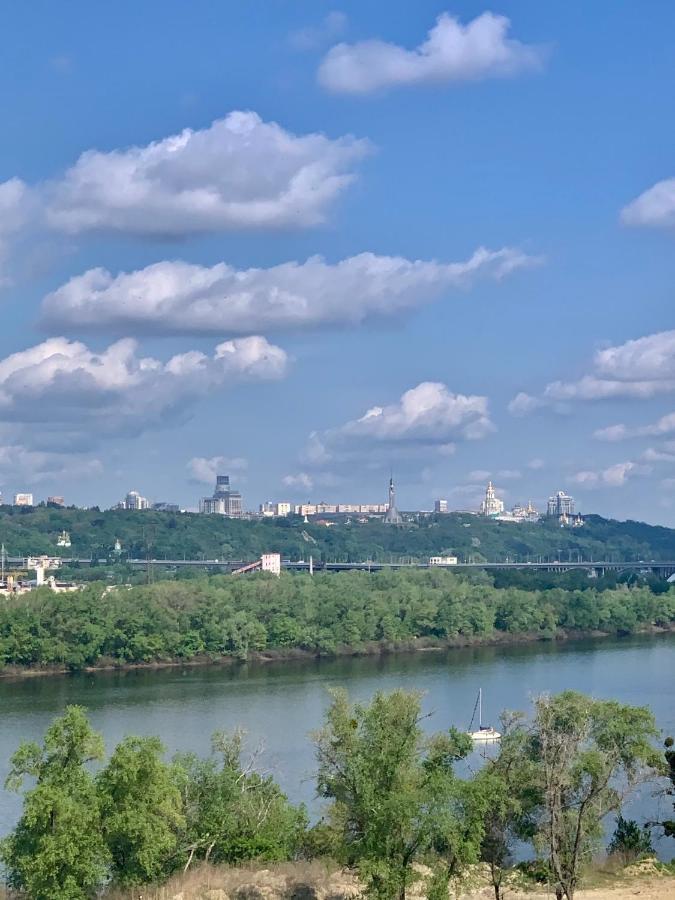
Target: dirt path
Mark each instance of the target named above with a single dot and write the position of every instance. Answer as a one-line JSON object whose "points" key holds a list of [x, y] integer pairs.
{"points": [[651, 888]]}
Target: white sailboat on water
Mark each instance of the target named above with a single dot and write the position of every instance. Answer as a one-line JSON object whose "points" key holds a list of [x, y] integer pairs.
{"points": [[486, 734]]}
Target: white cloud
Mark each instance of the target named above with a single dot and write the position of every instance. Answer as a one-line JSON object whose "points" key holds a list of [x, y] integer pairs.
{"points": [[314, 36], [426, 416], [665, 425], [523, 403], [611, 433], [179, 297], [240, 173], [61, 387], [636, 369], [613, 476], [452, 52], [301, 479], [204, 469], [653, 208], [536, 463], [656, 454], [35, 466]]}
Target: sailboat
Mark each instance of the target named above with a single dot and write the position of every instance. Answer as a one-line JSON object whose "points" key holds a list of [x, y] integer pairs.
{"points": [[486, 734]]}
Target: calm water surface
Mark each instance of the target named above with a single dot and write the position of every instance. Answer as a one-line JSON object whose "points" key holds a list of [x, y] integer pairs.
{"points": [[280, 703]]}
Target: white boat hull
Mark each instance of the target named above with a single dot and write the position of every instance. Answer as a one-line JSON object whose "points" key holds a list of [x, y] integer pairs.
{"points": [[485, 736]]}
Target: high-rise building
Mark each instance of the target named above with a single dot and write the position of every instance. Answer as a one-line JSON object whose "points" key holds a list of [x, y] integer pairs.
{"points": [[392, 515], [23, 500], [224, 502], [491, 505], [440, 506], [560, 504], [56, 501]]}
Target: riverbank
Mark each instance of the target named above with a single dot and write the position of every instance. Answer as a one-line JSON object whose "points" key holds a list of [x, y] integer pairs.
{"points": [[369, 649], [318, 880]]}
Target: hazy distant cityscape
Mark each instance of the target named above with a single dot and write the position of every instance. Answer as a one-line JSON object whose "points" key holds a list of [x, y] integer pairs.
{"points": [[226, 500]]}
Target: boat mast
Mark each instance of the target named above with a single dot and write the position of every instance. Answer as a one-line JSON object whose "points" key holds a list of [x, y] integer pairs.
{"points": [[480, 708]]}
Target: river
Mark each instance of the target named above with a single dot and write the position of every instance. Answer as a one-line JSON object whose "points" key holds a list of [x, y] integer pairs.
{"points": [[279, 704]]}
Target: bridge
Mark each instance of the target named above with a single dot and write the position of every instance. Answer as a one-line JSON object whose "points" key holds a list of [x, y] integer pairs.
{"points": [[662, 569]]}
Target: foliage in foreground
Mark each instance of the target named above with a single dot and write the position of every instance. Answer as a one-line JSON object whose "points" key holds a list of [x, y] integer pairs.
{"points": [[324, 614], [393, 798]]}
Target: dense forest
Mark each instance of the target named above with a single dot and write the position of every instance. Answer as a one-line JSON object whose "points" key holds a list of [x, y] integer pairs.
{"points": [[28, 530], [226, 615]]}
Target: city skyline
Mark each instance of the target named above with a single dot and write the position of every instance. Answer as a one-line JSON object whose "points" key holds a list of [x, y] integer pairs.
{"points": [[443, 260]]}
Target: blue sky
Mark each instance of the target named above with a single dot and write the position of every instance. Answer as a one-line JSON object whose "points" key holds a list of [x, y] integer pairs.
{"points": [[308, 243]]}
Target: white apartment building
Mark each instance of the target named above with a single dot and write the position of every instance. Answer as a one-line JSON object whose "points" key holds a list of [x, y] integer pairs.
{"points": [[23, 500]]}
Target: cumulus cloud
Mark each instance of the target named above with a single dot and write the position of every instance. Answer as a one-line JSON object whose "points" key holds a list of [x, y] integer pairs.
{"points": [[36, 467], [240, 173], [660, 454], [426, 416], [63, 387], [665, 425], [654, 208], [204, 469], [179, 297], [452, 52], [613, 476], [536, 463], [636, 369]]}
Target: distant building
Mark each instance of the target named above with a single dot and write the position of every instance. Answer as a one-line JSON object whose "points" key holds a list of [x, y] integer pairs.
{"points": [[560, 504], [525, 513], [442, 560], [269, 509], [491, 506], [63, 540], [56, 501], [161, 506], [133, 500], [271, 562], [440, 506], [224, 502], [327, 509], [392, 515], [23, 500]]}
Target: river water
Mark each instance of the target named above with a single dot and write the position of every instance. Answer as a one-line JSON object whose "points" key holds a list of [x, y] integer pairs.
{"points": [[279, 704]]}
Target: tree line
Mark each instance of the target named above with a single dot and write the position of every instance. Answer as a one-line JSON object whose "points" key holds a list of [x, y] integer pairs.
{"points": [[161, 534], [228, 616], [392, 795]]}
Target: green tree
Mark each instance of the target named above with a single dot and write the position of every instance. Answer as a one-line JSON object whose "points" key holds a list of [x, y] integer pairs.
{"points": [[395, 796], [669, 824], [233, 813], [56, 851], [512, 781], [141, 810], [585, 749], [630, 842]]}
